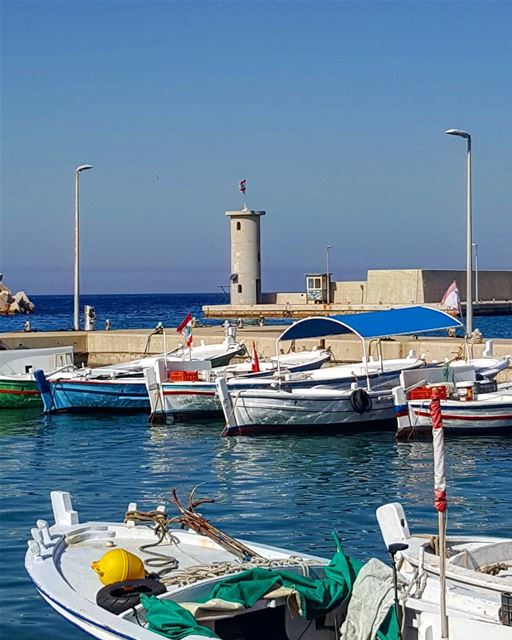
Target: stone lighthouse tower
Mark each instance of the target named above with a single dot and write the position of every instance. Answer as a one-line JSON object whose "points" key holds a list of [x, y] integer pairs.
{"points": [[245, 278]]}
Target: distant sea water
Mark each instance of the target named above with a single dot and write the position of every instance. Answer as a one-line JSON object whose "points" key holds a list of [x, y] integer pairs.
{"points": [[144, 311]]}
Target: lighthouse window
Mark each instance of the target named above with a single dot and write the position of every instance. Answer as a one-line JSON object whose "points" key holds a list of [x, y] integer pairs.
{"points": [[238, 226], [239, 286]]}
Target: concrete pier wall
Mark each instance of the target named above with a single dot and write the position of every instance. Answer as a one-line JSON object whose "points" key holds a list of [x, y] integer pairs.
{"points": [[109, 347], [383, 289]]}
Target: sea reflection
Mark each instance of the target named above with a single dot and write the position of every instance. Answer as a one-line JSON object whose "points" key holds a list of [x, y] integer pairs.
{"points": [[292, 491]]}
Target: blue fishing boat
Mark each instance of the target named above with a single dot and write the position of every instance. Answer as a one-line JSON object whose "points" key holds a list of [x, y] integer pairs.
{"points": [[87, 394], [121, 387]]}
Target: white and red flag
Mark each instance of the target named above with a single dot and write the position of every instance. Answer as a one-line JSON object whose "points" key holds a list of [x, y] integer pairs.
{"points": [[255, 363], [241, 186], [185, 328], [451, 298]]}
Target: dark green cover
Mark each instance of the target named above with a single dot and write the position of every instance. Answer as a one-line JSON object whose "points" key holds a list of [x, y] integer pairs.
{"points": [[171, 620], [318, 596]]}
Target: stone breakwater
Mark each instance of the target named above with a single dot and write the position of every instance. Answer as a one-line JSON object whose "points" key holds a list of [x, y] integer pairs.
{"points": [[11, 304]]}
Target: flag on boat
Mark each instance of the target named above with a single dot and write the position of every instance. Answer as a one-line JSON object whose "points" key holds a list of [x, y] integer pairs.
{"points": [[185, 328], [451, 298], [255, 363], [241, 186]]}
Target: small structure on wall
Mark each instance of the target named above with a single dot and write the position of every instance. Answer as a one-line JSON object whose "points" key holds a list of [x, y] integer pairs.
{"points": [[317, 288]]}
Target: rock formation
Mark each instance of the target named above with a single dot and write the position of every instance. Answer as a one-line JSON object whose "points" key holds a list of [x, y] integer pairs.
{"points": [[9, 304]]}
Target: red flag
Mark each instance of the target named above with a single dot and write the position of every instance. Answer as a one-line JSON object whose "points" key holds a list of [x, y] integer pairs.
{"points": [[255, 363], [241, 186], [186, 329]]}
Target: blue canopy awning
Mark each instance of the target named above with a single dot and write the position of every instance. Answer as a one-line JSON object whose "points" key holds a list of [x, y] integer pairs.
{"points": [[376, 324]]}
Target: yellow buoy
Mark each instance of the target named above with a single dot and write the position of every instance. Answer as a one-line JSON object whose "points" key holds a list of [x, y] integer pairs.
{"points": [[118, 565]]}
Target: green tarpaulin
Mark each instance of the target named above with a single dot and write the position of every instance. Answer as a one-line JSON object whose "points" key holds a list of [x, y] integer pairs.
{"points": [[171, 620], [317, 596]]}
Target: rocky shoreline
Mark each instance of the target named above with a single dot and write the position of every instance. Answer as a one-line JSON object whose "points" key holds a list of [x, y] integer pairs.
{"points": [[12, 304]]}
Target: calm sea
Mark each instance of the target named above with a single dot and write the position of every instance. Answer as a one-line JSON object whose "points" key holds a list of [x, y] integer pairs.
{"points": [[288, 491], [55, 313]]}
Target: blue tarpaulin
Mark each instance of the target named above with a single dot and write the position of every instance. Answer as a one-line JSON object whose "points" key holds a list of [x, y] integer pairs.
{"points": [[376, 324]]}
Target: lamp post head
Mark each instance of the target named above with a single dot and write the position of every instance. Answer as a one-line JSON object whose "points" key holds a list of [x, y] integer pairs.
{"points": [[83, 167], [458, 132]]}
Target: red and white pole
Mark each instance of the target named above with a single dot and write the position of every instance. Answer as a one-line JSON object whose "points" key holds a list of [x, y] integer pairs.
{"points": [[440, 501]]}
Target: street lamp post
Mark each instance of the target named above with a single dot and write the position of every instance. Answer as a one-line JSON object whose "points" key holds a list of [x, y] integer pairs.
{"points": [[475, 245], [329, 246], [469, 232], [76, 307]]}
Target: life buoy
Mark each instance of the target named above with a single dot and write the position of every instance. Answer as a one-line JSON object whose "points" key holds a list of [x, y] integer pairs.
{"points": [[120, 596], [360, 401]]}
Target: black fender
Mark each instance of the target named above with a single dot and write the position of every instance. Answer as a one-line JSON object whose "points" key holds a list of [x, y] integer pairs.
{"points": [[360, 401], [120, 596]]}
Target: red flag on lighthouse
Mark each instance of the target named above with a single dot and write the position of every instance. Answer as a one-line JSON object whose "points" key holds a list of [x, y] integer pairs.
{"points": [[241, 186], [185, 328], [255, 363]]}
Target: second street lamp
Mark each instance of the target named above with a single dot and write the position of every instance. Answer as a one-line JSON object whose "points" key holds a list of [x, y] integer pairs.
{"points": [[76, 304], [469, 232]]}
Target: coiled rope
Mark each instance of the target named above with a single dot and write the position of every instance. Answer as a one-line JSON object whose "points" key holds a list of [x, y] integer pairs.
{"points": [[196, 573]]}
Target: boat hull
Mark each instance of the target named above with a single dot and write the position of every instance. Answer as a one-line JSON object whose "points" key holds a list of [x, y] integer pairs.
{"points": [[194, 398], [272, 412], [190, 399], [464, 416], [75, 395], [18, 394]]}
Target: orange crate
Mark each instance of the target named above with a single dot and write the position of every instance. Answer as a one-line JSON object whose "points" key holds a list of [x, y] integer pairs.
{"points": [[183, 376], [425, 393]]}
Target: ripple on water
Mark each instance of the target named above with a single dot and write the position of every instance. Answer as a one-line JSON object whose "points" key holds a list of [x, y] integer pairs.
{"points": [[288, 491]]}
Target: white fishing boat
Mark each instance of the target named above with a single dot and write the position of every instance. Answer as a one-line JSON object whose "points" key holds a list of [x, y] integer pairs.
{"points": [[145, 578], [467, 404], [219, 355], [367, 400], [100, 576], [478, 574], [193, 392], [248, 411]]}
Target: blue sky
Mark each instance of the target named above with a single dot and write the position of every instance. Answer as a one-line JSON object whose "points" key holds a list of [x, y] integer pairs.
{"points": [[333, 112]]}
